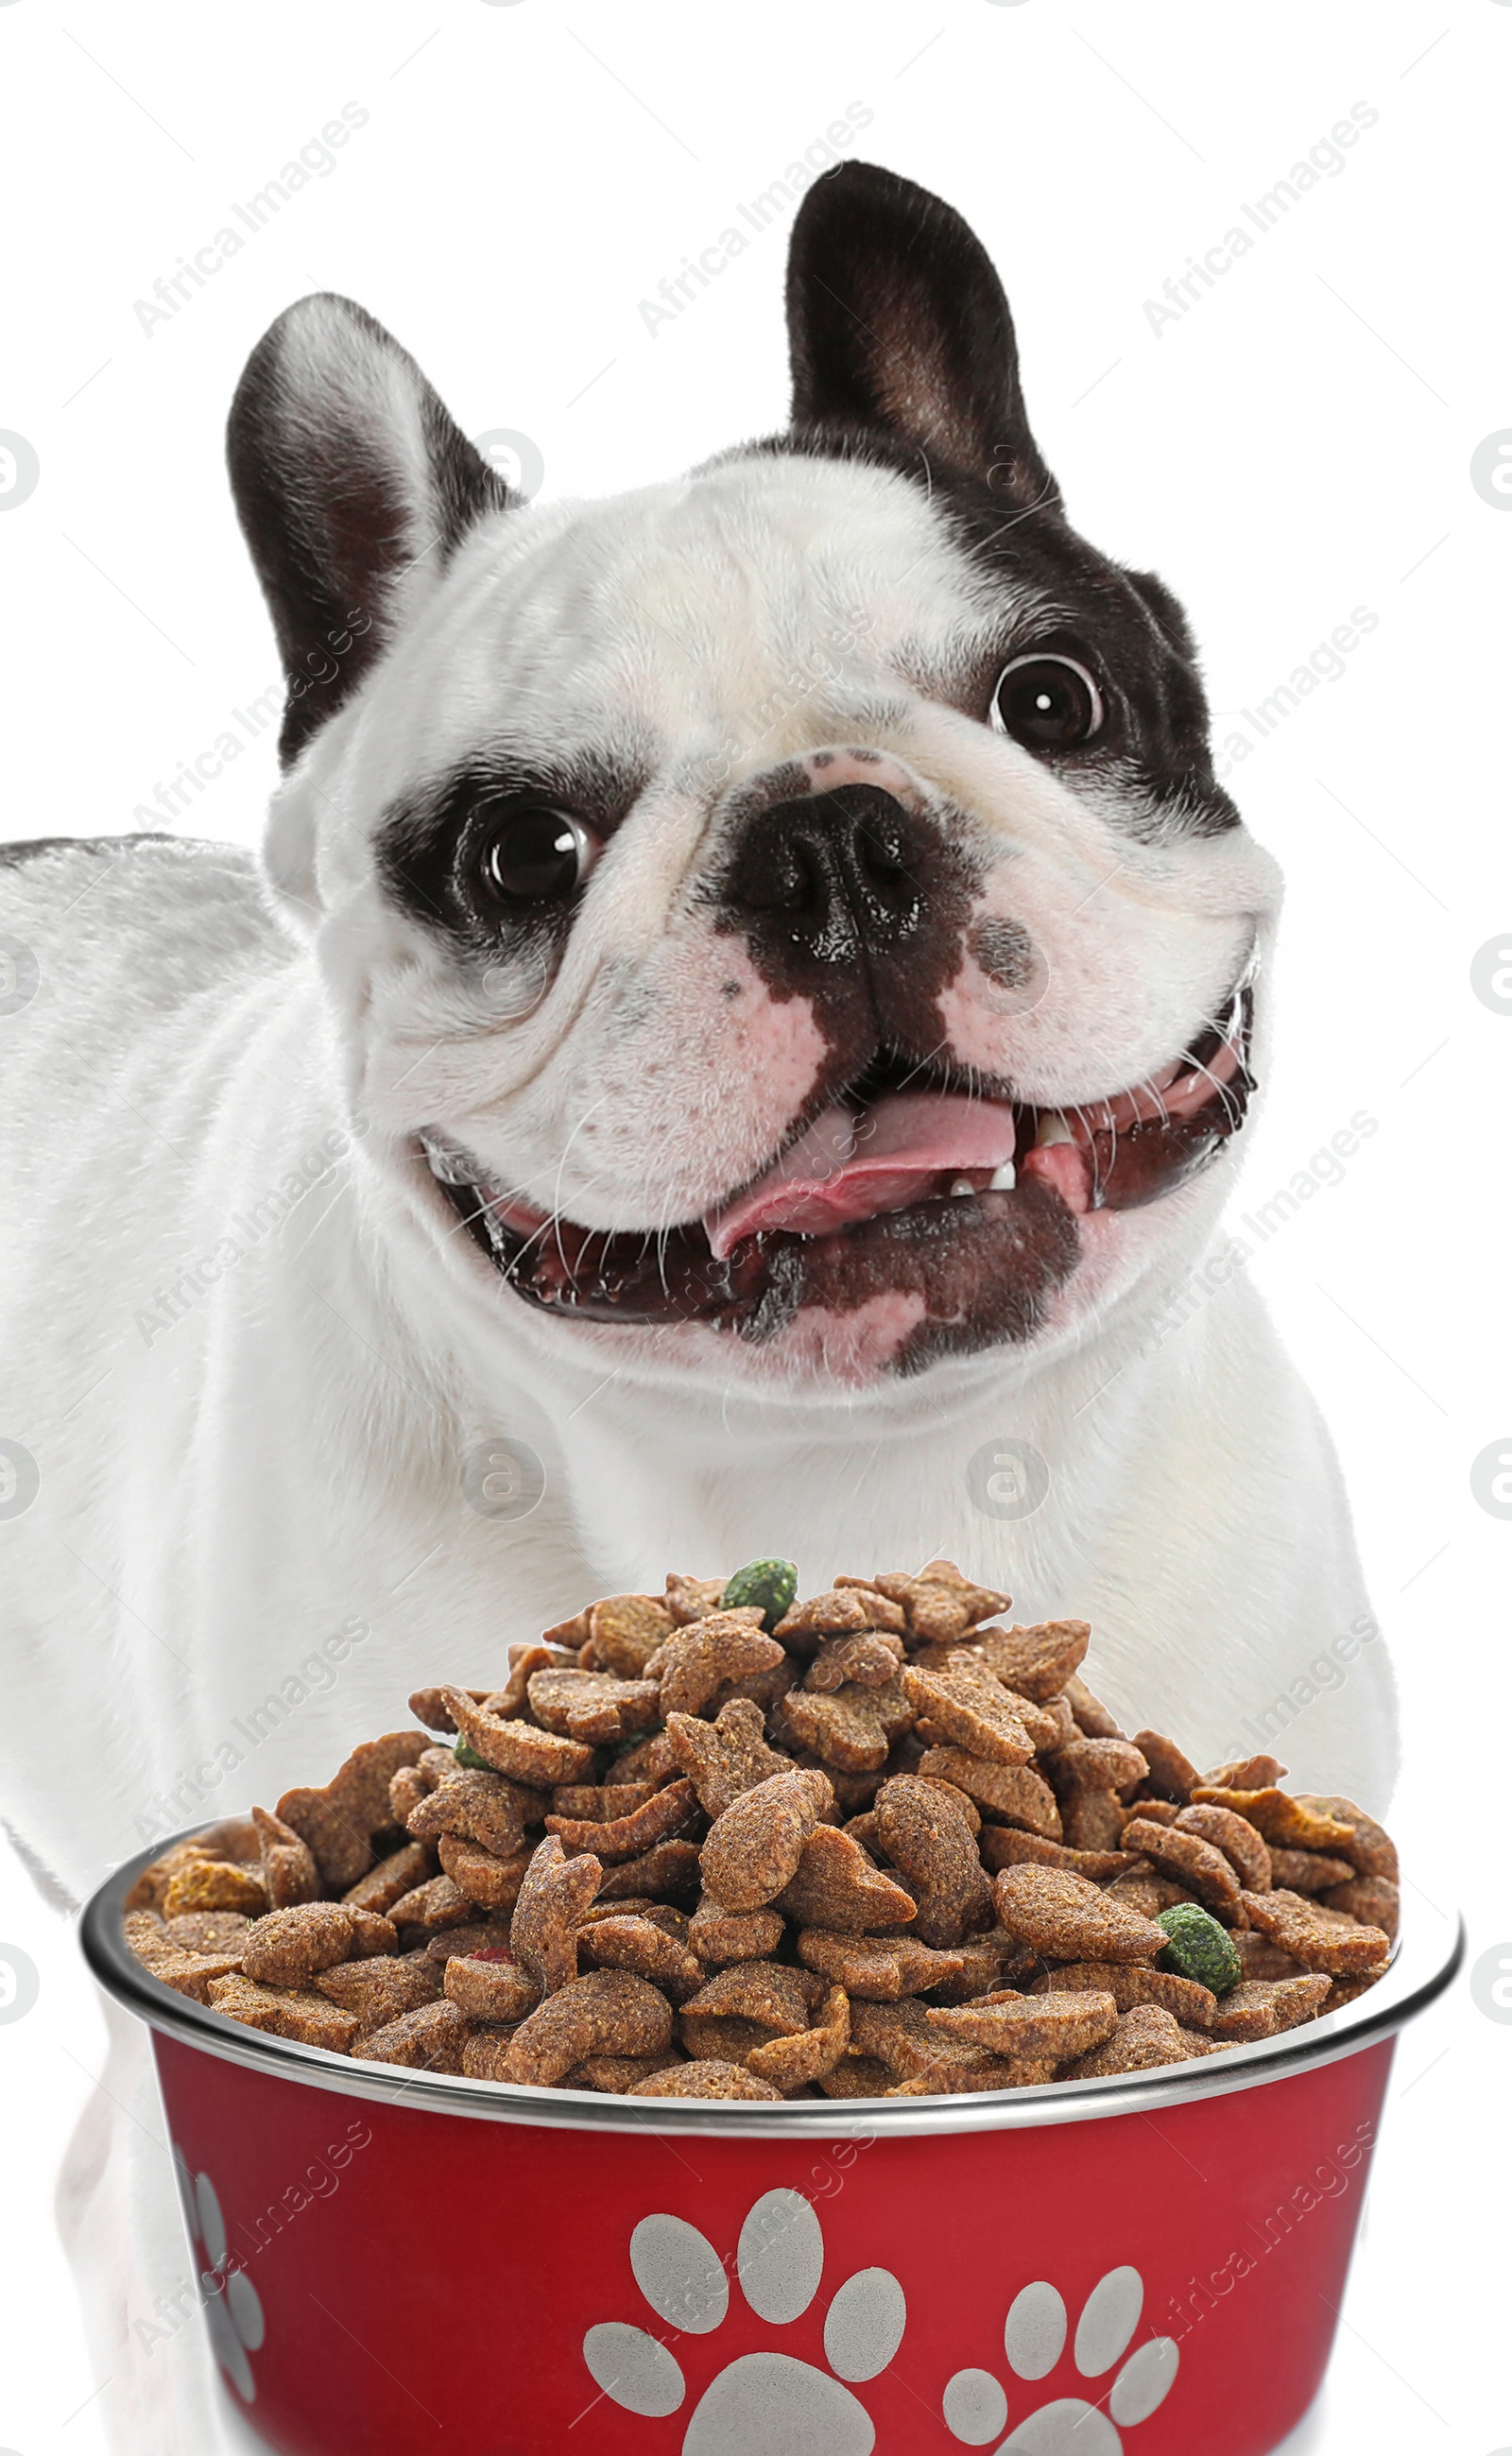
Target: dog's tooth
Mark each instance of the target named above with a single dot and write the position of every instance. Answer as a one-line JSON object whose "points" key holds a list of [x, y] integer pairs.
{"points": [[1003, 1179], [1052, 1129], [962, 1185]]}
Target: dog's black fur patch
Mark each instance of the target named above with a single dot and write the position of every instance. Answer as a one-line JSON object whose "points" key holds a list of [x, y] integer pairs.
{"points": [[904, 357], [327, 499]]}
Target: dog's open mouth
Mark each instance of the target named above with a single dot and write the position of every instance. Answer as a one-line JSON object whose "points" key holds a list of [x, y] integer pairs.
{"points": [[961, 1207]]}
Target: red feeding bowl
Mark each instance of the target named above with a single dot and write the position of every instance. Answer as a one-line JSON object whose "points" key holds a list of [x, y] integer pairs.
{"points": [[398, 2261]]}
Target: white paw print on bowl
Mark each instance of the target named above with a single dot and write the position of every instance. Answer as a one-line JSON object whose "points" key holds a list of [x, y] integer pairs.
{"points": [[231, 2302], [975, 2403], [761, 2402]]}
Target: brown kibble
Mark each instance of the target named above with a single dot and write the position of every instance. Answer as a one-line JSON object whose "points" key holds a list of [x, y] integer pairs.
{"points": [[987, 1962], [1198, 1865], [1092, 1820], [538, 1759], [1006, 1848], [186, 1972], [640, 1945], [719, 2037], [284, 2013], [853, 1729], [429, 1707], [430, 2039], [690, 1599], [379, 1991], [508, 1703], [753, 1850], [1036, 1661], [1144, 2038], [490, 1991], [878, 1969], [940, 1604], [1097, 1764], [471, 1936], [793, 2061], [704, 2079], [593, 1705], [1172, 1775], [393, 1877], [768, 1992], [1068, 1919], [1061, 2024], [215, 1885], [1370, 1851], [667, 1811], [669, 1872], [289, 1946], [625, 1631], [927, 1835], [438, 1903], [710, 1654], [837, 1886], [1246, 1852], [493, 1884], [289, 1873], [542, 1933], [725, 1757], [407, 1789], [870, 1660], [1280, 1818], [1311, 1936], [206, 1931], [1091, 1716], [651, 1760], [600, 1802], [616, 2076], [1246, 1774], [968, 1708], [1261, 2008], [857, 2076], [338, 1822], [607, 2012], [1259, 1958], [1374, 1900], [1129, 1983], [1304, 1871], [1015, 1795], [477, 1807], [718, 1936], [840, 1611]]}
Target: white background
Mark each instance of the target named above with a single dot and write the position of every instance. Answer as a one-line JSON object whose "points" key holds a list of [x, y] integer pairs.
{"points": [[1295, 445]]}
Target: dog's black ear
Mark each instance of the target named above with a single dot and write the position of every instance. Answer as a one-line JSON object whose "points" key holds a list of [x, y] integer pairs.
{"points": [[354, 485], [897, 322]]}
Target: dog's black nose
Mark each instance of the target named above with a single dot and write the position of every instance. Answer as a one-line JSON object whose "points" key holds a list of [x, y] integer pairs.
{"points": [[830, 874]]}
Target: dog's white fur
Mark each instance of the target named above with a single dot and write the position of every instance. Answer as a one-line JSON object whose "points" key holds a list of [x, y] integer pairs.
{"points": [[222, 1491]]}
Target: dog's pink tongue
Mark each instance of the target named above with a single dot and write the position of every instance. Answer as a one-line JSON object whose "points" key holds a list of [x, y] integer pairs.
{"points": [[849, 1168]]}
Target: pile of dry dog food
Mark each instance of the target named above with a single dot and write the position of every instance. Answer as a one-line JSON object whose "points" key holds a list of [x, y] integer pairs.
{"points": [[716, 1843]]}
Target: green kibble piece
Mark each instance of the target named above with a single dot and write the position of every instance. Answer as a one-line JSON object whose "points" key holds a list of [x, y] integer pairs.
{"points": [[771, 1585], [469, 1756], [1199, 1948]]}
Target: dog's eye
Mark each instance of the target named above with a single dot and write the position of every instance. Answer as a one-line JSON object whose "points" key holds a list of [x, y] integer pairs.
{"points": [[1046, 704], [537, 856]]}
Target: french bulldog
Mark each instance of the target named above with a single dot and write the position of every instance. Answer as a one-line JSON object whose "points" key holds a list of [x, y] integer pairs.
{"points": [[739, 1042]]}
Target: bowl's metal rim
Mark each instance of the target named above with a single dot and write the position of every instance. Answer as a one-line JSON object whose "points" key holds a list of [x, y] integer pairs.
{"points": [[1423, 1966]]}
